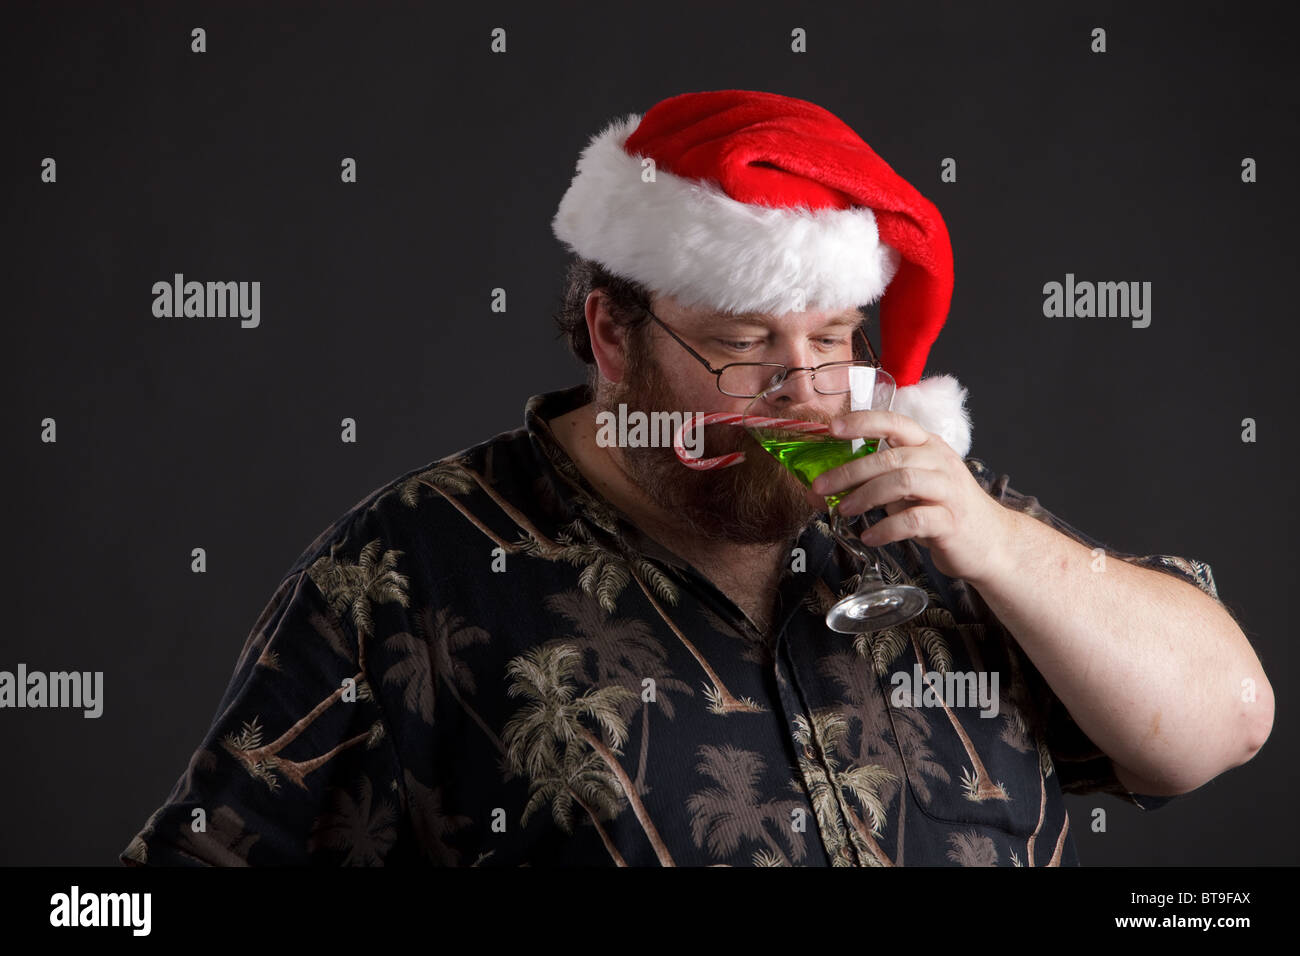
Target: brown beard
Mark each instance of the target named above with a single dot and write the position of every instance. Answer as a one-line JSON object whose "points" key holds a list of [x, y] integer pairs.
{"points": [[754, 502]]}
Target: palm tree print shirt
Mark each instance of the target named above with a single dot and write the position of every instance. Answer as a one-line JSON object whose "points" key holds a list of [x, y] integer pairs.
{"points": [[485, 663]]}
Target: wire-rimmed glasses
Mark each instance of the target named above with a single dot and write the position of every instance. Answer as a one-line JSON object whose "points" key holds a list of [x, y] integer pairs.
{"points": [[749, 379]]}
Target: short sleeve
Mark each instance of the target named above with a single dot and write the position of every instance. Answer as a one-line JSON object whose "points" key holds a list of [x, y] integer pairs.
{"points": [[1082, 766], [297, 767]]}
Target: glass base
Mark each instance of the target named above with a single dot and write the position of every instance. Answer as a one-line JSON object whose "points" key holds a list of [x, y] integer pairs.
{"points": [[876, 610]]}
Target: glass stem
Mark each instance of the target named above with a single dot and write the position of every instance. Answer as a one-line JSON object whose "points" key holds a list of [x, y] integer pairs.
{"points": [[840, 527]]}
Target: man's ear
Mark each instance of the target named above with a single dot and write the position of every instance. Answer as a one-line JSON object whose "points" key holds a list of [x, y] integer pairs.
{"points": [[608, 339]]}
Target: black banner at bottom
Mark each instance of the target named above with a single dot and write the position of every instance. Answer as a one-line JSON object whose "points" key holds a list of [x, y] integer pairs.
{"points": [[650, 906]]}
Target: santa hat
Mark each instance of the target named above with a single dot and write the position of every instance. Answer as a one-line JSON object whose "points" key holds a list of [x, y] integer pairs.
{"points": [[742, 201]]}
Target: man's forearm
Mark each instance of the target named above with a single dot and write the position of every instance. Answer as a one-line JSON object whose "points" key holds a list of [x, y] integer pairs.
{"points": [[1151, 668]]}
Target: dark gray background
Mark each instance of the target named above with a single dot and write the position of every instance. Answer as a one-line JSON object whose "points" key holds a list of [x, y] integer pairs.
{"points": [[176, 433]]}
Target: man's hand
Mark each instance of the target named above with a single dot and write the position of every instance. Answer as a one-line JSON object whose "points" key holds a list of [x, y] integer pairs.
{"points": [[926, 489]]}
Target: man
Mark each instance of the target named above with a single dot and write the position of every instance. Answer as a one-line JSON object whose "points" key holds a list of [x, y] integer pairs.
{"points": [[550, 650]]}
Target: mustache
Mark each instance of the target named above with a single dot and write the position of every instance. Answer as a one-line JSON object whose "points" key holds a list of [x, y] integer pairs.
{"points": [[754, 501]]}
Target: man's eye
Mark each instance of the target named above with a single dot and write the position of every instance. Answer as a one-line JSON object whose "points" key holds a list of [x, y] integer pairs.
{"points": [[829, 342]]}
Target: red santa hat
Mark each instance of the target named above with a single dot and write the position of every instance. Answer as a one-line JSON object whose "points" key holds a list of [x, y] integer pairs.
{"points": [[768, 204]]}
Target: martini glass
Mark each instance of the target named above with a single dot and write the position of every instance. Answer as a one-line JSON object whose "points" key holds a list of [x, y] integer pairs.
{"points": [[845, 386]]}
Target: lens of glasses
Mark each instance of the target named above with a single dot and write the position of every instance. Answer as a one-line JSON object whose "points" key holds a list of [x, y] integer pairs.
{"points": [[833, 380], [749, 380], [746, 381]]}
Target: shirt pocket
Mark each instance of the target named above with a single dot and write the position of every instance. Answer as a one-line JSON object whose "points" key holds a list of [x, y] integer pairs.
{"points": [[964, 726]]}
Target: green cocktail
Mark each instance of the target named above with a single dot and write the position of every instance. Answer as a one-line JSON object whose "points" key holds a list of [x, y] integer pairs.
{"points": [[859, 386], [806, 457]]}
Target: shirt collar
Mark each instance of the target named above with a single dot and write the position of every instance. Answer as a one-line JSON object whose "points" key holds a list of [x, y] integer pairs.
{"points": [[569, 488]]}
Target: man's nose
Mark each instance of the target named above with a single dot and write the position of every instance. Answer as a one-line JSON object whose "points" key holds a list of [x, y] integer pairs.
{"points": [[797, 389]]}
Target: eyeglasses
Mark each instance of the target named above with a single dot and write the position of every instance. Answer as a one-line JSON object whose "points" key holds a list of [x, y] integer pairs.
{"points": [[750, 379]]}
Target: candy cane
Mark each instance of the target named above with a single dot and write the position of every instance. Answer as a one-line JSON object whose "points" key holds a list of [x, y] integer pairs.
{"points": [[734, 418]]}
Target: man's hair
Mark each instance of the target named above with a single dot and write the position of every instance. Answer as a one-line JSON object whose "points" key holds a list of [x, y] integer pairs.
{"points": [[627, 302]]}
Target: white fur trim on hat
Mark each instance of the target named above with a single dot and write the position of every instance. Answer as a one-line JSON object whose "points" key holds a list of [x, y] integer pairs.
{"points": [[691, 241], [938, 404]]}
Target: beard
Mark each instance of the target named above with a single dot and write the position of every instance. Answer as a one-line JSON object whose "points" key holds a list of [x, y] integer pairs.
{"points": [[754, 502]]}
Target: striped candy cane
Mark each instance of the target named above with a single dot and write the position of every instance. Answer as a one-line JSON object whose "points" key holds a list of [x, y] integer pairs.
{"points": [[734, 418]]}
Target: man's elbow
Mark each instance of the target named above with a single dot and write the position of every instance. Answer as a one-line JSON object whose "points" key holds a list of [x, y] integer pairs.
{"points": [[1256, 723], [1258, 719]]}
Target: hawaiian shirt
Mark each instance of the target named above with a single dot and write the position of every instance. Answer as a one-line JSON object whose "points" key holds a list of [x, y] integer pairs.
{"points": [[485, 663]]}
